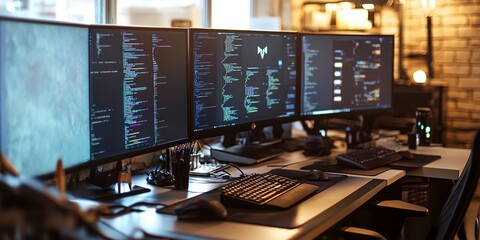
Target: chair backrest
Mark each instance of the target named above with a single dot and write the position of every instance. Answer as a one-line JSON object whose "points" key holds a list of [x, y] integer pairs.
{"points": [[455, 208]]}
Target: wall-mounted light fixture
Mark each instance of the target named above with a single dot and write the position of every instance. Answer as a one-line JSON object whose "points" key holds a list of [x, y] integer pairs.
{"points": [[429, 6], [420, 76]]}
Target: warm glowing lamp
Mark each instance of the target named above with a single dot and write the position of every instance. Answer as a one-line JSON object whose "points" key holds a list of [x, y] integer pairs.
{"points": [[420, 77], [428, 6]]}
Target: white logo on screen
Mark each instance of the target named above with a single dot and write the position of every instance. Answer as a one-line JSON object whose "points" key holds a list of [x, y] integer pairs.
{"points": [[261, 51]]}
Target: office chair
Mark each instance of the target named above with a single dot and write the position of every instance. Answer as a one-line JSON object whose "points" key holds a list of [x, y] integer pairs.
{"points": [[450, 219]]}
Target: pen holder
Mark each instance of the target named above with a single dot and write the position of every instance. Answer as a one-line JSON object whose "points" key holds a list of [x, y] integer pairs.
{"points": [[194, 161], [182, 170], [412, 141]]}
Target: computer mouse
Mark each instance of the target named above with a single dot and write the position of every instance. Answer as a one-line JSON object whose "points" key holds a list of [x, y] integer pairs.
{"points": [[317, 175], [405, 154], [201, 210]]}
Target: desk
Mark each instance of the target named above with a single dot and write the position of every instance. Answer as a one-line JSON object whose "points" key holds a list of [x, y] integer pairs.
{"points": [[319, 212], [449, 166]]}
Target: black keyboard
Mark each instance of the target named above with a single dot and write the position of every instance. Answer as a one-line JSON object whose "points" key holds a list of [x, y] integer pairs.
{"points": [[368, 158], [265, 191]]}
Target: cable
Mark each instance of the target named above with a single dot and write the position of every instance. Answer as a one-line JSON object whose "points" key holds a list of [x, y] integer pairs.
{"points": [[106, 211], [242, 174]]}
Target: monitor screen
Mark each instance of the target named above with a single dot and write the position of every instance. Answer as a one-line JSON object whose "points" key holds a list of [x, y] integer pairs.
{"points": [[240, 79], [138, 89], [346, 74], [43, 95]]}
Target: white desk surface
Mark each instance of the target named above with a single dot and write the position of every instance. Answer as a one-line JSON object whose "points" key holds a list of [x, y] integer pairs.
{"points": [[449, 166], [296, 160], [321, 211]]}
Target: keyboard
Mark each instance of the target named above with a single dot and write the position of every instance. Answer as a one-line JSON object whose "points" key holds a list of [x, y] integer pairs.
{"points": [[368, 158], [265, 191]]}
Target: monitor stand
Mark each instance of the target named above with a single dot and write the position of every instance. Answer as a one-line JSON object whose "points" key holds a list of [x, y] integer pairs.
{"points": [[88, 190], [248, 153], [360, 137], [289, 143], [101, 187]]}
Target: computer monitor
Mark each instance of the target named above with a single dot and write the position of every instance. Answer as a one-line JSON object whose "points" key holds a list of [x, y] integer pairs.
{"points": [[241, 80], [57, 101], [345, 74], [43, 95], [138, 90]]}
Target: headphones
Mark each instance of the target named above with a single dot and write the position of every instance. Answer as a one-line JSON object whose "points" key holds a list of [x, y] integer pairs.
{"points": [[160, 178]]}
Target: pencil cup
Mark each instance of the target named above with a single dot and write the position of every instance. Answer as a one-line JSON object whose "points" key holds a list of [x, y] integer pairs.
{"points": [[182, 170]]}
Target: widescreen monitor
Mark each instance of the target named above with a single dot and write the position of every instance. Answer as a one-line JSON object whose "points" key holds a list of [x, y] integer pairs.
{"points": [[138, 90], [241, 80], [345, 74], [43, 95], [89, 94]]}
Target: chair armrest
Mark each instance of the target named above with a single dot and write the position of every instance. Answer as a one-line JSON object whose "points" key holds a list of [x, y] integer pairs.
{"points": [[359, 234], [385, 218], [408, 209]]}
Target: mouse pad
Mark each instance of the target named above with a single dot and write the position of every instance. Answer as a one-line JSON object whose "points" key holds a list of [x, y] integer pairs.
{"points": [[419, 160], [342, 169], [283, 218]]}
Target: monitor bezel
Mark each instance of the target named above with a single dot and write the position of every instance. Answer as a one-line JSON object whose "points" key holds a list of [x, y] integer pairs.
{"points": [[251, 125], [352, 112]]}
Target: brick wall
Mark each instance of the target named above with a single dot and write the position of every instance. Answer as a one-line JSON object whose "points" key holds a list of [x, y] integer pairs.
{"points": [[456, 42], [456, 56]]}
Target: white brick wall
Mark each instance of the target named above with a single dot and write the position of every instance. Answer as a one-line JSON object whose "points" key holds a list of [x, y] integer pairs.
{"points": [[456, 41], [456, 94], [455, 20], [456, 55], [475, 20], [476, 55], [459, 114], [468, 8], [456, 68]]}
